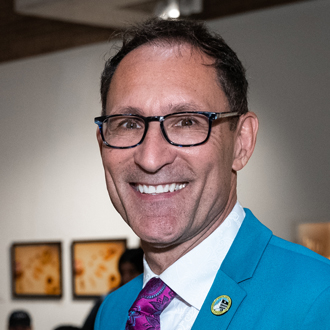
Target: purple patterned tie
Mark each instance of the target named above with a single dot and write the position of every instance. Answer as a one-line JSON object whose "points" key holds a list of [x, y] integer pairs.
{"points": [[146, 309]]}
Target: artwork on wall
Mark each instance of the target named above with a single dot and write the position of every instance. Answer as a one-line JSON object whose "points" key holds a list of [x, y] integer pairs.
{"points": [[315, 236], [36, 270], [95, 267]]}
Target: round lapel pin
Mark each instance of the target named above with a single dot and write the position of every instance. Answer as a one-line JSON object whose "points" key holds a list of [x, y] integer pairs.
{"points": [[221, 305]]}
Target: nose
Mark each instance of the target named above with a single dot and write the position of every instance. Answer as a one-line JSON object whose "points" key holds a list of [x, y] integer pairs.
{"points": [[154, 152]]}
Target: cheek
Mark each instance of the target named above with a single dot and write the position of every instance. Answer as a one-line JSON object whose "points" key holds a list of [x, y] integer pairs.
{"points": [[212, 158], [215, 167], [113, 163], [112, 172], [108, 171]]}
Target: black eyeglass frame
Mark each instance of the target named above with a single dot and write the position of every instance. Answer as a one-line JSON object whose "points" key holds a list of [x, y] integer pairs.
{"points": [[210, 115]]}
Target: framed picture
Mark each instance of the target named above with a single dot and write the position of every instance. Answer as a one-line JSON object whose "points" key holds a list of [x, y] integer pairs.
{"points": [[315, 236], [36, 270], [95, 267]]}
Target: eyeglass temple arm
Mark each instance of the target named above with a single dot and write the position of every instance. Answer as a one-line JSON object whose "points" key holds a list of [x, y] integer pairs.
{"points": [[225, 114]]}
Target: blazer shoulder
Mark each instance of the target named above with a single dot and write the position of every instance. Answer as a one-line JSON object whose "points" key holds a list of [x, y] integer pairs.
{"points": [[302, 264], [283, 248], [297, 249]]}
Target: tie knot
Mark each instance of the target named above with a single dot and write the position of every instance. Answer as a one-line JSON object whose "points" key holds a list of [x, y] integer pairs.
{"points": [[154, 288], [148, 306]]}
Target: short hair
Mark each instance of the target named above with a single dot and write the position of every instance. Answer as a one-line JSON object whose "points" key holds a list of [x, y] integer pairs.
{"points": [[19, 318], [230, 71]]}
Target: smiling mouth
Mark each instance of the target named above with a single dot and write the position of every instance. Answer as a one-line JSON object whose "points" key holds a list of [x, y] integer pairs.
{"points": [[159, 189]]}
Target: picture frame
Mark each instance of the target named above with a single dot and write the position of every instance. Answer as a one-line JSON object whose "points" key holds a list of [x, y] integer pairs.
{"points": [[36, 270], [95, 267], [315, 236]]}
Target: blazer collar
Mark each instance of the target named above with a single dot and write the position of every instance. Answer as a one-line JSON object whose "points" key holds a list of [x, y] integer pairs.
{"points": [[247, 249], [239, 265]]}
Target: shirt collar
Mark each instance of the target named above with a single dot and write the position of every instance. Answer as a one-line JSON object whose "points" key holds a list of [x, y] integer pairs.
{"points": [[192, 275]]}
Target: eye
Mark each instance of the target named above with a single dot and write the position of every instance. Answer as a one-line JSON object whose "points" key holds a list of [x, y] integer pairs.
{"points": [[186, 121], [131, 124], [126, 123]]}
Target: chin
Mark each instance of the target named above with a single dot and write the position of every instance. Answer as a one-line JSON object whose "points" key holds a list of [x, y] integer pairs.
{"points": [[157, 230], [158, 241]]}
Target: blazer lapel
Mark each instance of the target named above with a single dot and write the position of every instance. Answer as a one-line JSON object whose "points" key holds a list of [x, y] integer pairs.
{"points": [[239, 265], [222, 285]]}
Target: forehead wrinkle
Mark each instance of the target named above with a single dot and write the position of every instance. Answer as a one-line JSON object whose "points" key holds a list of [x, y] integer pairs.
{"points": [[127, 110], [182, 107]]}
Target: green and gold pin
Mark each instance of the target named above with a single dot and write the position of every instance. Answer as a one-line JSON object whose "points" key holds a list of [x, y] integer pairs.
{"points": [[221, 305]]}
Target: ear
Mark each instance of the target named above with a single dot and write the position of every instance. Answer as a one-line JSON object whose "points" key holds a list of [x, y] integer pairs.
{"points": [[99, 140], [246, 137]]}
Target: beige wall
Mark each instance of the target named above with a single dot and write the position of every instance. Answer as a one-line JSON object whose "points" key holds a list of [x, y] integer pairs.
{"points": [[52, 185]]}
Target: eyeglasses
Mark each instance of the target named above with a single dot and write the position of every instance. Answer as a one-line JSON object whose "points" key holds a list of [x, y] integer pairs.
{"points": [[182, 129]]}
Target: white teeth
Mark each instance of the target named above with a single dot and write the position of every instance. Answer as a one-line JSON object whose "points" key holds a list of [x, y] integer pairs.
{"points": [[145, 189], [159, 189]]}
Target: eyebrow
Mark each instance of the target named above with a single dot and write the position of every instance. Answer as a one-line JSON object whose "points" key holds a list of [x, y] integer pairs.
{"points": [[128, 110], [184, 106], [171, 108]]}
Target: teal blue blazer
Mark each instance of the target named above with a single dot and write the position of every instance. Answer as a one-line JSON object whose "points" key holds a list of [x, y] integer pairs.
{"points": [[272, 283]]}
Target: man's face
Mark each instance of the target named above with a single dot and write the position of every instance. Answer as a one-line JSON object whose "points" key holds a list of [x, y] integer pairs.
{"points": [[155, 81]]}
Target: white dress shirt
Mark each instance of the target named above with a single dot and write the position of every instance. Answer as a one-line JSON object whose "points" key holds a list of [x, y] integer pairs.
{"points": [[191, 276]]}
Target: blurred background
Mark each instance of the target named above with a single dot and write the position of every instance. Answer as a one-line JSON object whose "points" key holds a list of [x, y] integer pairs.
{"points": [[52, 183]]}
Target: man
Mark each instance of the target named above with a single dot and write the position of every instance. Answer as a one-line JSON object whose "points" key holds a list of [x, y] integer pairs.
{"points": [[174, 131]]}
